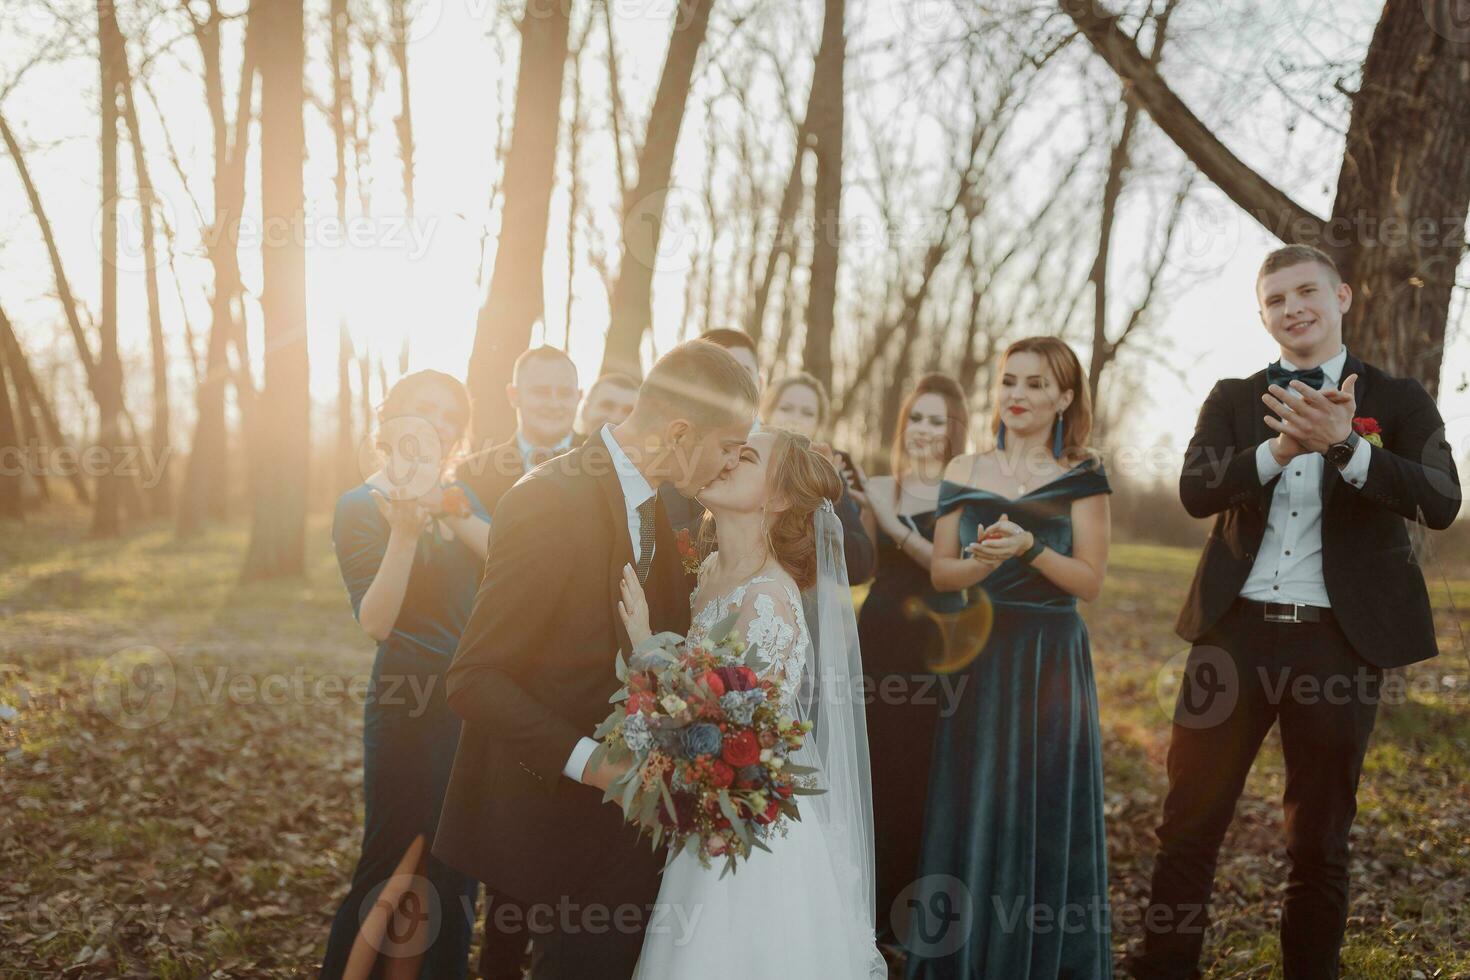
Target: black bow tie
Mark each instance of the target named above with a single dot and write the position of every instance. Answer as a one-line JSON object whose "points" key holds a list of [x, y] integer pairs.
{"points": [[1278, 375]]}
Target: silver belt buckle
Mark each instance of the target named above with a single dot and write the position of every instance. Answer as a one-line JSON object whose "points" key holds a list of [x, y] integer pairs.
{"points": [[1276, 617]]}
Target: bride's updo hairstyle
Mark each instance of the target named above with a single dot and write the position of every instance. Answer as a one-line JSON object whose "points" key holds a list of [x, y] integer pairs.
{"points": [[802, 478]]}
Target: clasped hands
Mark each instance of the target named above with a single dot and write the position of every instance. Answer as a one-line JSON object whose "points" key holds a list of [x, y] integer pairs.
{"points": [[1001, 540], [1311, 423]]}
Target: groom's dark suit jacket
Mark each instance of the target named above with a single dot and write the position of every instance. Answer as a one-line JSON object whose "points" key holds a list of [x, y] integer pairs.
{"points": [[533, 674], [1373, 581]]}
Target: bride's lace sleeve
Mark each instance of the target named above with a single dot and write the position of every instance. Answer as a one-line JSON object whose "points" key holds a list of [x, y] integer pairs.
{"points": [[768, 619]]}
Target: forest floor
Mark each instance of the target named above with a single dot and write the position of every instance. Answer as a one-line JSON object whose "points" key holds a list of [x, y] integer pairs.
{"points": [[210, 825]]}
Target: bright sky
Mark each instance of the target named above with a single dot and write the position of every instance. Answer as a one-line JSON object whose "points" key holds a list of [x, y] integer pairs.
{"points": [[393, 279]]}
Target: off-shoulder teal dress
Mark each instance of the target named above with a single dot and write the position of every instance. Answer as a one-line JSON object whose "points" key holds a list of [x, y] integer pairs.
{"points": [[1013, 870]]}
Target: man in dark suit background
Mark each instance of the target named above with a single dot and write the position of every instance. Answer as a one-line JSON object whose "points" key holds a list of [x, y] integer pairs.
{"points": [[535, 666], [1306, 591], [610, 399], [543, 392]]}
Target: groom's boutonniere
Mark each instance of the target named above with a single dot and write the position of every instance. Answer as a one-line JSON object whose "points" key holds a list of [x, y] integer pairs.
{"points": [[1369, 429], [688, 554]]}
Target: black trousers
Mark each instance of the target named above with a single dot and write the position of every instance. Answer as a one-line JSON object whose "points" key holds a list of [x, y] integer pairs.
{"points": [[503, 949], [1244, 676]]}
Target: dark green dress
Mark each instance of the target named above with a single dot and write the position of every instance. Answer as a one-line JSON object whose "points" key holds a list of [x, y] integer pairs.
{"points": [[409, 733], [1014, 881]]}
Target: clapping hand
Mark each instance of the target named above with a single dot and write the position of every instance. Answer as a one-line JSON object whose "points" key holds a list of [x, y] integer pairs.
{"points": [[633, 607], [1001, 540], [1313, 422], [405, 515]]}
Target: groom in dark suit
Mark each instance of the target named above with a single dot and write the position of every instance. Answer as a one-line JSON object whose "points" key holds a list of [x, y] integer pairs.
{"points": [[1307, 590], [534, 668]]}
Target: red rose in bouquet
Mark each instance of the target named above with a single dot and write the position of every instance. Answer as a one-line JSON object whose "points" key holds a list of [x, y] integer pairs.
{"points": [[741, 749]]}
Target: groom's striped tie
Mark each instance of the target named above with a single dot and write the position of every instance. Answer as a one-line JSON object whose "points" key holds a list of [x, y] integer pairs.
{"points": [[645, 537]]}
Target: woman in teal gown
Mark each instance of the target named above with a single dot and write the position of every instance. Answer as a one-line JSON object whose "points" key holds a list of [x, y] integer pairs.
{"points": [[1013, 870], [410, 548]]}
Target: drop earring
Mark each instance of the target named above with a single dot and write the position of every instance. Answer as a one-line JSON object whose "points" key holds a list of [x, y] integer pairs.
{"points": [[1056, 442], [1000, 436]]}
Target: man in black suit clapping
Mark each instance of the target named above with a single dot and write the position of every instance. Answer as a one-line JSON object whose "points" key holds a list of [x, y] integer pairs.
{"points": [[1307, 590]]}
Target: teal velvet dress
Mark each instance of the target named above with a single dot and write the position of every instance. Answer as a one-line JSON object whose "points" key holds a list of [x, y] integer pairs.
{"points": [[1013, 870]]}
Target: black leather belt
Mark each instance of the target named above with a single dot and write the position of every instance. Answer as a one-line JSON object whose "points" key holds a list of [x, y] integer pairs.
{"points": [[1287, 612]]}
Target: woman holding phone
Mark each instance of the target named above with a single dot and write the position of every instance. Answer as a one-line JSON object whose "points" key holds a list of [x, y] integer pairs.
{"points": [[410, 545], [898, 640]]}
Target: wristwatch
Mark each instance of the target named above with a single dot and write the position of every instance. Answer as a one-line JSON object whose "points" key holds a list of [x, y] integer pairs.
{"points": [[1029, 555], [1339, 454]]}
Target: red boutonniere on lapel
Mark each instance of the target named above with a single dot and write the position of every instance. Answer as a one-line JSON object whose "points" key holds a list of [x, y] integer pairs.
{"points": [[688, 554], [1369, 429]]}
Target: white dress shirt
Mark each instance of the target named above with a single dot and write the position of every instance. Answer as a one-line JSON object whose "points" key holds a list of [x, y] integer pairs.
{"points": [[636, 491], [1288, 566], [528, 451]]}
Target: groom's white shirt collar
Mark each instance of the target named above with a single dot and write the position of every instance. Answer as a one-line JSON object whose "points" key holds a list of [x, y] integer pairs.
{"points": [[636, 488], [1332, 368]]}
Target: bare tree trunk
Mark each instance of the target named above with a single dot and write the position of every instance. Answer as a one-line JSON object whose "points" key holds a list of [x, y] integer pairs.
{"points": [[782, 244], [398, 24], [575, 196], [278, 526], [1397, 224], [347, 475], [341, 64], [33, 399], [826, 122], [897, 384], [364, 390], [1119, 162], [615, 105], [32, 434], [1406, 164], [643, 213], [160, 498], [206, 478], [514, 301], [63, 284], [109, 368], [11, 506]]}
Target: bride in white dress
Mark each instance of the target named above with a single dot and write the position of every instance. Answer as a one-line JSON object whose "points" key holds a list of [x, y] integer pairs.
{"points": [[806, 908]]}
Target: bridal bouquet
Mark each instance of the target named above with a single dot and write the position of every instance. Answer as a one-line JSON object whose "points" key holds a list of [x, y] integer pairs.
{"points": [[709, 746]]}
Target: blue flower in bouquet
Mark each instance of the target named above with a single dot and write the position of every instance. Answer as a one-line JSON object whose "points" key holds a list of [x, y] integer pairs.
{"points": [[636, 734], [701, 739], [738, 708], [670, 740]]}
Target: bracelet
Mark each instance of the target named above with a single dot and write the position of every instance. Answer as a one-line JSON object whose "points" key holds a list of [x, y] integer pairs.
{"points": [[904, 543], [1029, 555]]}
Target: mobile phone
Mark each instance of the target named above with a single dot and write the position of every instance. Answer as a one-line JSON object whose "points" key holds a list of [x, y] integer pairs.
{"points": [[848, 470]]}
